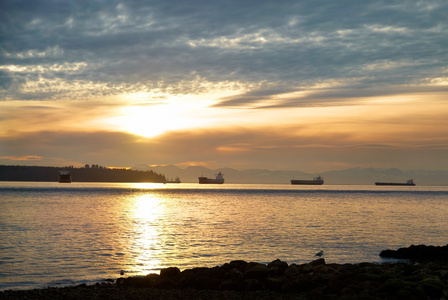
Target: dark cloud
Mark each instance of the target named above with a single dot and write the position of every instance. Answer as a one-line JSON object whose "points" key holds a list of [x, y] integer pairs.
{"points": [[342, 95], [5, 81], [288, 44]]}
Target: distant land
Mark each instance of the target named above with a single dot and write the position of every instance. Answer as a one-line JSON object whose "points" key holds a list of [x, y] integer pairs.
{"points": [[146, 173], [88, 173], [364, 176]]}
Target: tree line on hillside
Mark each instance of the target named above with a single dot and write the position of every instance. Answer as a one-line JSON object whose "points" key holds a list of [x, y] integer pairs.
{"points": [[85, 174]]}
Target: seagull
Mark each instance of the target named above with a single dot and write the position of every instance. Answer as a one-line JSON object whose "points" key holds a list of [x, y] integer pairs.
{"points": [[320, 253]]}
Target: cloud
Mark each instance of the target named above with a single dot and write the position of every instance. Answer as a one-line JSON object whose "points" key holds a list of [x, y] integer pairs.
{"points": [[283, 83], [308, 147], [17, 117], [71, 49], [22, 158]]}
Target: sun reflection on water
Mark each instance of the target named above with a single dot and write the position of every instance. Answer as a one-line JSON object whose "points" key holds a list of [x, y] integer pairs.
{"points": [[145, 235], [145, 185]]}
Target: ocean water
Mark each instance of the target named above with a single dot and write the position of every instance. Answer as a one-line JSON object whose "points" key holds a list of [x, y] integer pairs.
{"points": [[55, 234]]}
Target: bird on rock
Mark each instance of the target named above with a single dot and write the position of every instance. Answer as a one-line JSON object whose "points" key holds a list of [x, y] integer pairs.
{"points": [[320, 253]]}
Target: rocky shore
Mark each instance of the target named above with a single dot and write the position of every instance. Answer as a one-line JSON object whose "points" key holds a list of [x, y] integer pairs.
{"points": [[420, 253], [415, 279]]}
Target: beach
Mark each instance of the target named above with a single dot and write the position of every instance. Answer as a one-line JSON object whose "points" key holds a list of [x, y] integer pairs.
{"points": [[276, 280], [109, 291]]}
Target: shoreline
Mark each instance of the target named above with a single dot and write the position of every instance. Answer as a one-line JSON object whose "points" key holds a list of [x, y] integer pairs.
{"points": [[423, 276], [276, 280]]}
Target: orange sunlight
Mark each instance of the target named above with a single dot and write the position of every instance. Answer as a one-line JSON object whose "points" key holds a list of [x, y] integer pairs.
{"points": [[153, 120], [172, 112]]}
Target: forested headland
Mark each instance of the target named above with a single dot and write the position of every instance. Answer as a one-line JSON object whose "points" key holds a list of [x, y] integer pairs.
{"points": [[85, 174]]}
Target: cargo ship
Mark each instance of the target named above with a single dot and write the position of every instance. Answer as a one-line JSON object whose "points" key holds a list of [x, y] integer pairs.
{"points": [[65, 177], [218, 180], [316, 181], [410, 182]]}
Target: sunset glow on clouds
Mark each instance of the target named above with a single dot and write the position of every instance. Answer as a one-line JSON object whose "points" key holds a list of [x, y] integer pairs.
{"points": [[279, 85]]}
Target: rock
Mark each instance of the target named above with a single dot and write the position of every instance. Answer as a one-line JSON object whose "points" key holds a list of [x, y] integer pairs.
{"points": [[237, 264], [317, 262], [326, 270], [275, 283], [300, 283], [252, 285], [349, 293], [278, 264], [423, 280], [149, 280], [333, 287], [256, 271], [391, 286], [204, 278], [418, 253], [170, 272], [233, 273], [307, 269], [407, 294], [433, 287], [292, 271], [276, 268], [166, 283], [232, 285]]}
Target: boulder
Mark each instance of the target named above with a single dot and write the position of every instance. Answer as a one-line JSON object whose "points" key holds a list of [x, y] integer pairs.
{"points": [[278, 264], [317, 279], [317, 262], [292, 271], [256, 271], [236, 264], [418, 253], [171, 272]]}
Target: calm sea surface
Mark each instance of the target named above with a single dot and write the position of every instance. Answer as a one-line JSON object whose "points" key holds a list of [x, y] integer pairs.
{"points": [[59, 234]]}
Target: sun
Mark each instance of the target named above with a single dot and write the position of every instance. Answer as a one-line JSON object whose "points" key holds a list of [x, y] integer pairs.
{"points": [[151, 120]]}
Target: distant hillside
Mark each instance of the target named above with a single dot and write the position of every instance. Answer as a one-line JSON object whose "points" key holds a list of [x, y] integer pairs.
{"points": [[98, 174], [366, 176], [191, 174]]}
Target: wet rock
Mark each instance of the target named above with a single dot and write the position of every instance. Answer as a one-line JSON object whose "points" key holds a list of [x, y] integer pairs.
{"points": [[278, 264], [256, 271], [237, 264], [232, 285], [171, 272], [307, 269], [277, 267], [275, 283], [391, 286], [333, 286], [433, 287], [292, 271], [406, 294], [432, 291], [317, 262], [300, 283], [201, 278], [149, 280], [349, 293], [233, 273], [326, 270], [166, 283], [314, 280], [252, 285], [418, 253]]}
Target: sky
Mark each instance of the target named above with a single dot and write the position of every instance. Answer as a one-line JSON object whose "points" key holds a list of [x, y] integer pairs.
{"points": [[303, 85]]}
